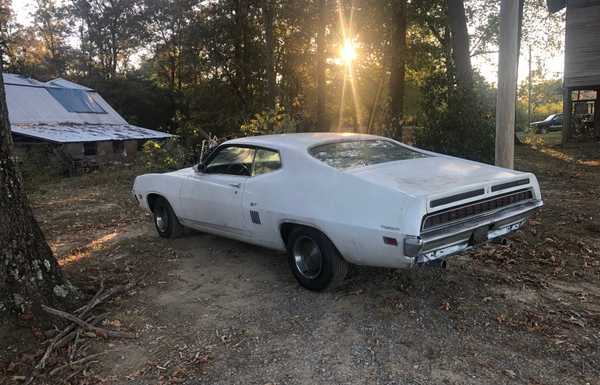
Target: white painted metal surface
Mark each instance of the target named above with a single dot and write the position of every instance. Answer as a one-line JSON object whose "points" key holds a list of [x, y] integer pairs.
{"points": [[60, 82], [356, 208], [73, 133]]}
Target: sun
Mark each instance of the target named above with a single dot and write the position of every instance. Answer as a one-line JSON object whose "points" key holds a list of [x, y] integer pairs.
{"points": [[348, 52]]}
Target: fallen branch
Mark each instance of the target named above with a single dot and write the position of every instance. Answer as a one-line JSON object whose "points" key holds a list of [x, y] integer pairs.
{"points": [[78, 320], [100, 298], [78, 362], [63, 338], [102, 332], [95, 320]]}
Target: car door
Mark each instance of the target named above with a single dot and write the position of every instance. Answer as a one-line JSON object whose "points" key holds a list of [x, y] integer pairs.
{"points": [[211, 199], [261, 192]]}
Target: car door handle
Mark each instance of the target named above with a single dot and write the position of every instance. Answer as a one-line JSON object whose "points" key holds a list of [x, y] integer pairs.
{"points": [[235, 185]]}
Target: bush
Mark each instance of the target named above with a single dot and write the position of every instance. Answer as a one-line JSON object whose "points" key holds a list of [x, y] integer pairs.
{"points": [[275, 121], [456, 123], [41, 163], [164, 156]]}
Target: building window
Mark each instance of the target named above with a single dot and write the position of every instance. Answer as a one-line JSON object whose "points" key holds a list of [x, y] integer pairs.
{"points": [[583, 95], [78, 101], [118, 147], [90, 148]]}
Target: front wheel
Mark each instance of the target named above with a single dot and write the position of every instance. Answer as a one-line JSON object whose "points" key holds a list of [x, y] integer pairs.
{"points": [[165, 221], [314, 260]]}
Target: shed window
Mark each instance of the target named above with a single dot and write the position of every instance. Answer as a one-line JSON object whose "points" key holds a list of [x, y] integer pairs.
{"points": [[90, 148], [118, 147], [78, 101]]}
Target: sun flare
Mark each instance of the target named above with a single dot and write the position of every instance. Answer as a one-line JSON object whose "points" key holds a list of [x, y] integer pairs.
{"points": [[348, 53]]}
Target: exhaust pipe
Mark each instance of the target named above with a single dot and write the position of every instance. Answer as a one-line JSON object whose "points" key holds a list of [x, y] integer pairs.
{"points": [[500, 241]]}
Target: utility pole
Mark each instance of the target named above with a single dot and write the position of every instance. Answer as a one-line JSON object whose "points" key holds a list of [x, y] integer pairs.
{"points": [[529, 91], [507, 83]]}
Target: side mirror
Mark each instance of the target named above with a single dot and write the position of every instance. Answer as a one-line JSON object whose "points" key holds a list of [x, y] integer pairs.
{"points": [[201, 167]]}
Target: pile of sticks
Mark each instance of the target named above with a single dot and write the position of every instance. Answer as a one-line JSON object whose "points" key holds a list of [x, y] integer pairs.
{"points": [[81, 322]]}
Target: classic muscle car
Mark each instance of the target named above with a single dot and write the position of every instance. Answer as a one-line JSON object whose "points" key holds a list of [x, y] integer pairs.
{"points": [[330, 199]]}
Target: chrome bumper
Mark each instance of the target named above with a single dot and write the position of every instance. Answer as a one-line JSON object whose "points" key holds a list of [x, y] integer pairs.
{"points": [[459, 237]]}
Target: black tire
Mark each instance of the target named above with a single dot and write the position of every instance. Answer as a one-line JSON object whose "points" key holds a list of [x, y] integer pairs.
{"points": [[332, 267], [165, 220]]}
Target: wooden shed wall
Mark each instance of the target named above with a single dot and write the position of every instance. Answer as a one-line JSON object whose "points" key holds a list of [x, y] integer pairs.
{"points": [[582, 43]]}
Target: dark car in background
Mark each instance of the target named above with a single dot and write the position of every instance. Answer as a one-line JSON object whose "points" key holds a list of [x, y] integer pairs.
{"points": [[551, 123]]}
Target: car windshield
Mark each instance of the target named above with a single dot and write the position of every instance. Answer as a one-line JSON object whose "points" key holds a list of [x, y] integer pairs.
{"points": [[360, 153]]}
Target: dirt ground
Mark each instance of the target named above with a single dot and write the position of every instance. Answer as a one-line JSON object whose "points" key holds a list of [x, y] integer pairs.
{"points": [[208, 310]]}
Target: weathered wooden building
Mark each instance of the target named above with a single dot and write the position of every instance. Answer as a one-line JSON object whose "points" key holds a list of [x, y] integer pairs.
{"points": [[71, 120], [581, 85]]}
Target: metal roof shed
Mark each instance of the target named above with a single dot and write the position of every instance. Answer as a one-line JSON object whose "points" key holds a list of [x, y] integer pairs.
{"points": [[61, 112]]}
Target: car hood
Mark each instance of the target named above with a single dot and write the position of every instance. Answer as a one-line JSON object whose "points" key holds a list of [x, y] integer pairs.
{"points": [[188, 171], [432, 175]]}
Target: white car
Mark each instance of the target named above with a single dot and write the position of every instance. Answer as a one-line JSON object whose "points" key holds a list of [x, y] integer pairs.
{"points": [[330, 199]]}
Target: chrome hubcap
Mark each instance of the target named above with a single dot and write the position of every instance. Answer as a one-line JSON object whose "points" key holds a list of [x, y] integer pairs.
{"points": [[160, 217], [308, 257]]}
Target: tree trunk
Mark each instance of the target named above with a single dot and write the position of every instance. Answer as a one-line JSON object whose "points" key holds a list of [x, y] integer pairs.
{"points": [[321, 57], [507, 83], [269, 20], [241, 47], [460, 43], [29, 273], [398, 68]]}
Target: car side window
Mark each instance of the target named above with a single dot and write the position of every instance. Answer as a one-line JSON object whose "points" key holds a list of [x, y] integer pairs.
{"points": [[231, 160], [266, 161]]}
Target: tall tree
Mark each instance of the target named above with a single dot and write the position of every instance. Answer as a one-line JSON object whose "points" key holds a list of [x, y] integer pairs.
{"points": [[241, 47], [50, 23], [6, 16], [168, 24], [321, 113], [461, 56], [113, 30], [269, 22], [29, 273], [398, 66]]}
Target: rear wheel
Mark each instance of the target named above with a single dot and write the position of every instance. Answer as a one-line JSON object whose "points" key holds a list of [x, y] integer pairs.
{"points": [[165, 221], [314, 260]]}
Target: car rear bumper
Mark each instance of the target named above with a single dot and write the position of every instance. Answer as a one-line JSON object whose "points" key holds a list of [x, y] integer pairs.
{"points": [[463, 236]]}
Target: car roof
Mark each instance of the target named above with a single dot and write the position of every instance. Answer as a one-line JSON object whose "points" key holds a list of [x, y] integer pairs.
{"points": [[299, 141]]}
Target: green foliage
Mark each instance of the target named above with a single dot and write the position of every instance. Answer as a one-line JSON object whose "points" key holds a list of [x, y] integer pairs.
{"points": [[457, 123], [196, 67], [546, 99], [275, 121], [140, 101], [163, 156], [40, 163]]}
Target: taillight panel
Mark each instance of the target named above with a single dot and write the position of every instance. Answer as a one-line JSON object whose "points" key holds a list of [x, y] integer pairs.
{"points": [[472, 209]]}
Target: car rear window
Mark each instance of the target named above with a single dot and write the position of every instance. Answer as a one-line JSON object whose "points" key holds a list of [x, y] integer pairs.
{"points": [[360, 153]]}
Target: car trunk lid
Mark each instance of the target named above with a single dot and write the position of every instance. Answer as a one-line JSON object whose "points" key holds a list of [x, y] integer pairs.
{"points": [[443, 181]]}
